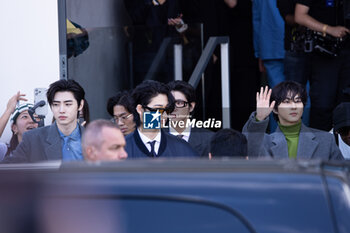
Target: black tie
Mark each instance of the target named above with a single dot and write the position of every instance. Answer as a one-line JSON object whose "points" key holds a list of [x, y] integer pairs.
{"points": [[180, 136], [153, 152]]}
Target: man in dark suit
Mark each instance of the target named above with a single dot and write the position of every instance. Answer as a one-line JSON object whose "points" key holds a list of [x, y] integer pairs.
{"points": [[185, 102], [62, 139], [153, 20], [153, 99]]}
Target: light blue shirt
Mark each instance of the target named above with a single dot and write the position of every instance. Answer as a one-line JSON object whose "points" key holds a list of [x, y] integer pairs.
{"points": [[71, 145]]}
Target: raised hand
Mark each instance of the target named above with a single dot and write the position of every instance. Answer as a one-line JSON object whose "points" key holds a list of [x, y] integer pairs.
{"points": [[263, 106], [11, 104], [175, 21]]}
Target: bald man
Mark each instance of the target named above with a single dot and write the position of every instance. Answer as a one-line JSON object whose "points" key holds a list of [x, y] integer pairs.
{"points": [[103, 141]]}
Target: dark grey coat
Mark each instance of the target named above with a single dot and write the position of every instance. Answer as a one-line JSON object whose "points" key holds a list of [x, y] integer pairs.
{"points": [[313, 143], [37, 145]]}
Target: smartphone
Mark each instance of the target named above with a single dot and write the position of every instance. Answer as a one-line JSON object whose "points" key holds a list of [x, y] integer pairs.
{"points": [[39, 95]]}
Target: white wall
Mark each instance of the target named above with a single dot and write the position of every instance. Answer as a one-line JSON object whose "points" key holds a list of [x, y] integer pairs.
{"points": [[29, 55]]}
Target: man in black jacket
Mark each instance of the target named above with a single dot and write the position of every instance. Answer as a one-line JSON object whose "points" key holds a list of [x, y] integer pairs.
{"points": [[329, 74], [185, 102], [152, 101]]}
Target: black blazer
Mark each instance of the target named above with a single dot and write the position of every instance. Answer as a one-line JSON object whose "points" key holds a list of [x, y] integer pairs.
{"points": [[200, 140]]}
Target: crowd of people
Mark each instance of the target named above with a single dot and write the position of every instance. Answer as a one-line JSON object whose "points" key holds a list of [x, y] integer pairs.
{"points": [[301, 45], [127, 135]]}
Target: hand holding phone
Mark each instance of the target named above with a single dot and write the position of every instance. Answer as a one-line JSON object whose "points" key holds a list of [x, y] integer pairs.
{"points": [[39, 95]]}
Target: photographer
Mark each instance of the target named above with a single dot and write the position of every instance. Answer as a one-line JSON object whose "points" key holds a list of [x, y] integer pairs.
{"points": [[329, 74]]}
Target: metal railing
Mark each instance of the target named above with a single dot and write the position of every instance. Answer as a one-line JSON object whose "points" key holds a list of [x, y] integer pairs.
{"points": [[225, 73], [160, 57]]}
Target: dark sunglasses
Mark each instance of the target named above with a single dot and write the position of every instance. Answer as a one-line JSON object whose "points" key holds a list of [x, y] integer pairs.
{"points": [[160, 110]]}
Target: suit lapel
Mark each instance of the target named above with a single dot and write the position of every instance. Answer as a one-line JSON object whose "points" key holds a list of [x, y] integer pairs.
{"points": [[307, 145], [279, 148], [163, 143], [140, 144], [53, 150]]}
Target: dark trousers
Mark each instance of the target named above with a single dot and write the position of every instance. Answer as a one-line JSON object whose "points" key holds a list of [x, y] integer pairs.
{"points": [[329, 77], [297, 67]]}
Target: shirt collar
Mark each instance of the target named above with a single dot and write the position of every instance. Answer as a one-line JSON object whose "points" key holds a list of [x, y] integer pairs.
{"points": [[145, 139], [75, 135], [186, 132]]}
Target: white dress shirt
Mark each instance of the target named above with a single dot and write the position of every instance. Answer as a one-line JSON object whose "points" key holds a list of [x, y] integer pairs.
{"points": [[185, 134], [146, 141]]}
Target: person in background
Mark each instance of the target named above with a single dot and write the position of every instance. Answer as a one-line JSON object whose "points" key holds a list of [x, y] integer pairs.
{"points": [[292, 139], [10, 108], [120, 107], [268, 35], [236, 22], [268, 28], [341, 129], [297, 62], [153, 20], [185, 102], [21, 122], [329, 74], [228, 143], [103, 141], [84, 115]]}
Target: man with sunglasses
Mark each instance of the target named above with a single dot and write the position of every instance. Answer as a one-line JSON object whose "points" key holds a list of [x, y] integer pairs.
{"points": [[154, 98], [341, 130], [185, 102]]}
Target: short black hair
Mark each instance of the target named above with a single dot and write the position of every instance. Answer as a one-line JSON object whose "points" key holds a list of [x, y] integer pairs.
{"points": [[228, 143], [185, 88], [281, 91], [145, 91], [122, 98], [149, 89], [65, 85]]}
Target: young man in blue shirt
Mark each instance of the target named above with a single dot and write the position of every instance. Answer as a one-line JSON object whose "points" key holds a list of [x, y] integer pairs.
{"points": [[62, 139]]}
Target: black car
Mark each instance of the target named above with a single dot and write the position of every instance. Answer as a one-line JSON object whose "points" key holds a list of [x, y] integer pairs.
{"points": [[179, 196]]}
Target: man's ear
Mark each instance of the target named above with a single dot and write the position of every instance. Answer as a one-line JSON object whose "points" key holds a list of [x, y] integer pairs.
{"points": [[90, 154], [81, 105], [192, 106], [139, 110], [274, 111]]}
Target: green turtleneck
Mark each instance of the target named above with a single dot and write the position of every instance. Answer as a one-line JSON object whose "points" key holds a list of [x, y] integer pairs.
{"points": [[292, 136]]}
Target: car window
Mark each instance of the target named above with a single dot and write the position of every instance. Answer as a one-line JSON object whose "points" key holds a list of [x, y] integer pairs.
{"points": [[138, 215]]}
